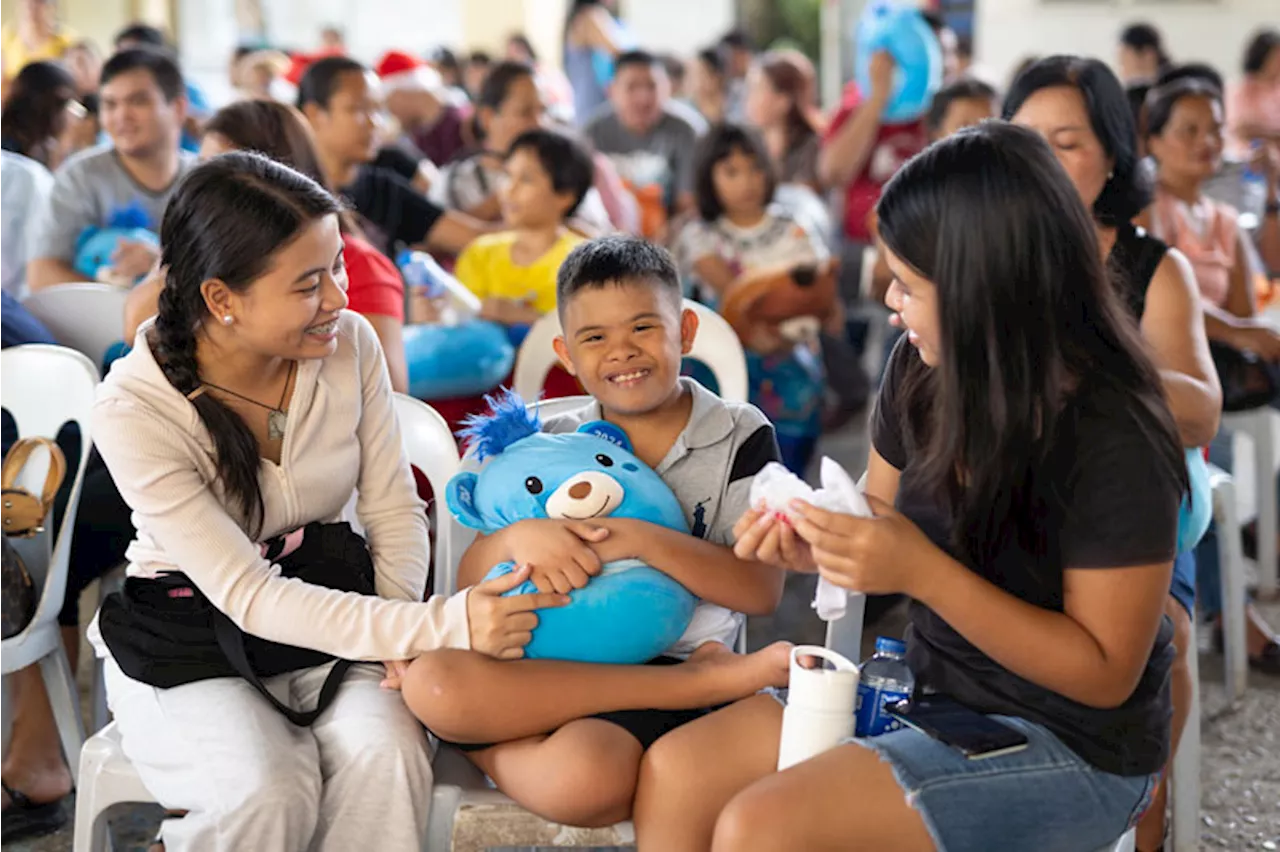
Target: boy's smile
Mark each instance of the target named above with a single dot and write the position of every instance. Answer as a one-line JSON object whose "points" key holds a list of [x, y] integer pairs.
{"points": [[624, 343]]}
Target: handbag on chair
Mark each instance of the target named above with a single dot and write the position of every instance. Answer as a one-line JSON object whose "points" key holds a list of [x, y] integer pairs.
{"points": [[23, 516]]}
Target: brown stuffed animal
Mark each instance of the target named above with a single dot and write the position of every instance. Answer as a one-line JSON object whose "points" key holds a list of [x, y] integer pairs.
{"points": [[795, 300]]}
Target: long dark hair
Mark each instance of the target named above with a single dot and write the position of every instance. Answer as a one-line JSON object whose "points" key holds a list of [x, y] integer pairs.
{"points": [[272, 128], [721, 141], [793, 80], [280, 132], [1027, 315], [227, 219], [1261, 43], [1128, 189], [35, 113], [497, 86]]}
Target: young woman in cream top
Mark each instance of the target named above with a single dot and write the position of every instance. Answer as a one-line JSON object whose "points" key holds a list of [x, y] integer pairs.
{"points": [[252, 405]]}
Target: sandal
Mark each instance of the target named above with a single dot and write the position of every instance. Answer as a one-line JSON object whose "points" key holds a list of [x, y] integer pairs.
{"points": [[25, 818], [1268, 662]]}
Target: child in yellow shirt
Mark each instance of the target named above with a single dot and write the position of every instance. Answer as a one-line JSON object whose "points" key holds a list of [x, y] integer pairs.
{"points": [[513, 272]]}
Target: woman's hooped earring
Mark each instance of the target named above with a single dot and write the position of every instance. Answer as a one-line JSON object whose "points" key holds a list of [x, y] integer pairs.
{"points": [[227, 319]]}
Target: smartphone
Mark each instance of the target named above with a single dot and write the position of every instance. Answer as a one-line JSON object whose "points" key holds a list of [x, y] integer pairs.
{"points": [[968, 731]]}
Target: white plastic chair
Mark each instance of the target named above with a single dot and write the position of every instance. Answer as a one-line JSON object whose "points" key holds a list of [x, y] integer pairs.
{"points": [[88, 318], [432, 450], [43, 388], [1258, 425], [107, 777], [1231, 569], [716, 345]]}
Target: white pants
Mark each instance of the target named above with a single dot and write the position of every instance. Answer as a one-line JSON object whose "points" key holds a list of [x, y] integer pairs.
{"points": [[250, 779]]}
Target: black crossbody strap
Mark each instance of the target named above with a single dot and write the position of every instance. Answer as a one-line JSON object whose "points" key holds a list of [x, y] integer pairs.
{"points": [[231, 641]]}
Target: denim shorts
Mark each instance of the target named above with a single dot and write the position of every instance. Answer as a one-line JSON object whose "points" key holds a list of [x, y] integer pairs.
{"points": [[1044, 798]]}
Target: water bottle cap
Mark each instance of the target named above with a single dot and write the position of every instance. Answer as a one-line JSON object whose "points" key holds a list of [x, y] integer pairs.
{"points": [[887, 645], [404, 258]]}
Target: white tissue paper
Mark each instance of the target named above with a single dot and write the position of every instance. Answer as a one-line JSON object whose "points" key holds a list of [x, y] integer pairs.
{"points": [[775, 487]]}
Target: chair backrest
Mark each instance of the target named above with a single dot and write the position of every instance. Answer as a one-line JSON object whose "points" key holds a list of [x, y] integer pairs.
{"points": [[88, 318], [43, 388], [716, 345], [548, 408], [431, 449]]}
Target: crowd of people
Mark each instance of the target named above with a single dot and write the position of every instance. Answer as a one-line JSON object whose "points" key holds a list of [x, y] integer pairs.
{"points": [[1026, 470]]}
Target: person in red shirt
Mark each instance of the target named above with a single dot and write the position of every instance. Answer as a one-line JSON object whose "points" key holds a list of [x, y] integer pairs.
{"points": [[861, 153]]}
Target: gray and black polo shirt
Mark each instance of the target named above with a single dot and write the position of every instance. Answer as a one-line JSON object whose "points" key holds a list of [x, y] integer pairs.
{"points": [[709, 468]]}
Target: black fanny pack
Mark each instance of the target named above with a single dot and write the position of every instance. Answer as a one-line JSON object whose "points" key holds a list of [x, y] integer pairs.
{"points": [[164, 632]]}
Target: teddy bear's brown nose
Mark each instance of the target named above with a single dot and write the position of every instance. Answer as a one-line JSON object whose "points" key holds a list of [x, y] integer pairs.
{"points": [[580, 490]]}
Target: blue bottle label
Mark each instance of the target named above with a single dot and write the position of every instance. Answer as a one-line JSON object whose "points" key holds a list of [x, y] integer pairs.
{"points": [[871, 716]]}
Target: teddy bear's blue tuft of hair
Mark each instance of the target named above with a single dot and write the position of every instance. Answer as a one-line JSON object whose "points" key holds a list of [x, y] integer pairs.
{"points": [[508, 421]]}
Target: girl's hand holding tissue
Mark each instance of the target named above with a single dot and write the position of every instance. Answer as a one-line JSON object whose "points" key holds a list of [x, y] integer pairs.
{"points": [[887, 554], [767, 536]]}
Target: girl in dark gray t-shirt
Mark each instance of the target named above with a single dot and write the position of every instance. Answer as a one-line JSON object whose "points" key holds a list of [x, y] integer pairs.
{"points": [[1026, 476]]}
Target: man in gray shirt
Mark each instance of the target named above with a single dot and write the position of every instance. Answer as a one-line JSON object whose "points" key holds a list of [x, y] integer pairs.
{"points": [[650, 143], [143, 108]]}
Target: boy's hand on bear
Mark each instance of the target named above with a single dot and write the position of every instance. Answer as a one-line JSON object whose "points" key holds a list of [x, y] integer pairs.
{"points": [[555, 546], [625, 539]]}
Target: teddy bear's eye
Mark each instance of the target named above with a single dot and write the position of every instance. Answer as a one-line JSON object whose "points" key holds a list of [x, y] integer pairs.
{"points": [[533, 485], [604, 460]]}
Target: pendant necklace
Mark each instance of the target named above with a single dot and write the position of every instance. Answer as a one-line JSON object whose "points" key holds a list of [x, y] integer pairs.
{"points": [[277, 417]]}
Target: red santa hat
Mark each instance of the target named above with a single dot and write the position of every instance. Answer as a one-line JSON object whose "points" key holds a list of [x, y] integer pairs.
{"points": [[400, 70]]}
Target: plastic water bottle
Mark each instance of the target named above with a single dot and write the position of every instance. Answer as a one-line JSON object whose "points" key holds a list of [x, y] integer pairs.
{"points": [[421, 272], [885, 681], [1253, 187], [426, 278]]}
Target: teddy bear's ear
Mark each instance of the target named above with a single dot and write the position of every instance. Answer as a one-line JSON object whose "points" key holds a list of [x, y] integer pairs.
{"points": [[460, 496], [606, 430]]}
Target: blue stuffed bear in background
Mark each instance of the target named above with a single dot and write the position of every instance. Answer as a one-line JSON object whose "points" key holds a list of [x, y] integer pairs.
{"points": [[95, 246], [629, 613]]}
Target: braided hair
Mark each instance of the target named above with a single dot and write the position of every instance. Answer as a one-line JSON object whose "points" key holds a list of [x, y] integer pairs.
{"points": [[226, 221]]}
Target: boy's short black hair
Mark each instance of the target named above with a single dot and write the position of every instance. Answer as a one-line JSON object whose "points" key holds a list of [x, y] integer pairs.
{"points": [[142, 34], [617, 259], [635, 58], [479, 57], [966, 88], [566, 160], [160, 64]]}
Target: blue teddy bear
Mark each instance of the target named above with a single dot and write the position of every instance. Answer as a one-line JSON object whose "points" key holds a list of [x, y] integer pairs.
{"points": [[629, 613], [95, 246]]}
